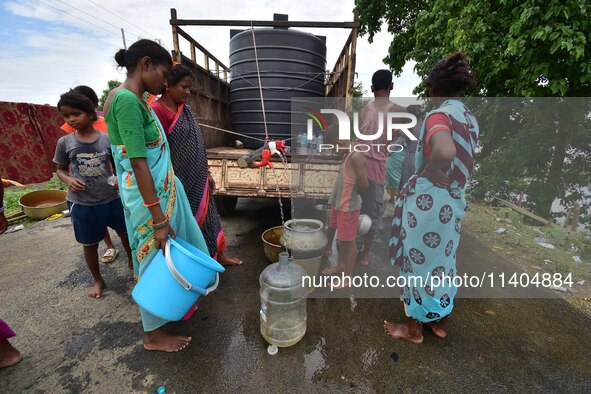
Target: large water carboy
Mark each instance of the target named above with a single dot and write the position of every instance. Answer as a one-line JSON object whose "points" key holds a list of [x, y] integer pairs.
{"points": [[283, 302]]}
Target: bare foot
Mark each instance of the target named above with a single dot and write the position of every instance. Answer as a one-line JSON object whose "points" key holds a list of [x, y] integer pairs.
{"points": [[225, 260], [439, 328], [332, 270], [97, 289], [159, 340], [9, 356], [411, 331], [364, 260]]}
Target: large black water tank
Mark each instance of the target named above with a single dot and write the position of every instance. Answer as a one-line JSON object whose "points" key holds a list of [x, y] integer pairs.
{"points": [[292, 64]]}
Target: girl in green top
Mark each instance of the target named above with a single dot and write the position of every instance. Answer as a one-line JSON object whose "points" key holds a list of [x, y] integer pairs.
{"points": [[155, 202]]}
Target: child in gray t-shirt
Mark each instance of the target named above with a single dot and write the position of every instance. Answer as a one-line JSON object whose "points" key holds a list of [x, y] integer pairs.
{"points": [[89, 162], [84, 163]]}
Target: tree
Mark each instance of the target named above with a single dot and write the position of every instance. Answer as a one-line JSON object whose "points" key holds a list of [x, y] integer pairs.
{"points": [[518, 49], [358, 90], [359, 99], [112, 84]]}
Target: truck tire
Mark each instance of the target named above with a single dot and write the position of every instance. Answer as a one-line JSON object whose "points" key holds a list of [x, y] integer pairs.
{"points": [[226, 205]]}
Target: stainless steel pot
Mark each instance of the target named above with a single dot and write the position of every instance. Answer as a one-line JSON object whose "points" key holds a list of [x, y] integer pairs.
{"points": [[304, 238]]}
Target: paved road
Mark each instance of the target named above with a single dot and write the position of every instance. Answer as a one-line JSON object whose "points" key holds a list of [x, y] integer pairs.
{"points": [[72, 343]]}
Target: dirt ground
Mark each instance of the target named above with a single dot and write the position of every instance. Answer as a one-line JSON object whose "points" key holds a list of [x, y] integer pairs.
{"points": [[73, 344]]}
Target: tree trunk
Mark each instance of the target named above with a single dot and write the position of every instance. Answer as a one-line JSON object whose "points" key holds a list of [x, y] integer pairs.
{"points": [[553, 179]]}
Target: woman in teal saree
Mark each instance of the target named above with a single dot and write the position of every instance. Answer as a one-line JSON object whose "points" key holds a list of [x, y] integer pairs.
{"points": [[154, 201]]}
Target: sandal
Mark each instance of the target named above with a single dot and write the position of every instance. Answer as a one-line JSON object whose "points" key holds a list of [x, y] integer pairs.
{"points": [[110, 256]]}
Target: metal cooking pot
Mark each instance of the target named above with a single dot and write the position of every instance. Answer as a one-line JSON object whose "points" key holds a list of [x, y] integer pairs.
{"points": [[271, 244], [41, 204], [304, 238]]}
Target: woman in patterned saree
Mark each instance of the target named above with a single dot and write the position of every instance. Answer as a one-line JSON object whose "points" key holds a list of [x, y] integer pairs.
{"points": [[189, 159], [429, 211], [154, 201]]}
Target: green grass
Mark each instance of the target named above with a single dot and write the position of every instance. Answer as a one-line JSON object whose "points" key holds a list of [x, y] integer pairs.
{"points": [[518, 245]]}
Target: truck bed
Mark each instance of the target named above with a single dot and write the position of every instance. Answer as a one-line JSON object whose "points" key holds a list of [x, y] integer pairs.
{"points": [[305, 177]]}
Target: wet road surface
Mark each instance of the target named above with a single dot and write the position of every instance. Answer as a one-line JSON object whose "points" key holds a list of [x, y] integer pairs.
{"points": [[72, 343]]}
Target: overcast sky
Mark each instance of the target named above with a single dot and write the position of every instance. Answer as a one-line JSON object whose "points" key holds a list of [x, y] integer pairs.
{"points": [[49, 46]]}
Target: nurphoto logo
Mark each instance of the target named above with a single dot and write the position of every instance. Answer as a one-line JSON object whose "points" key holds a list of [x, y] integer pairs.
{"points": [[392, 120]]}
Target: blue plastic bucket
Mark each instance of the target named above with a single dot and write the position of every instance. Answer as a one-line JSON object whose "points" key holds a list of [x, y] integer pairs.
{"points": [[172, 284]]}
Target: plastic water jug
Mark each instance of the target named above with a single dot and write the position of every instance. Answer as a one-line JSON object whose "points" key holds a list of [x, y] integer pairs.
{"points": [[283, 302]]}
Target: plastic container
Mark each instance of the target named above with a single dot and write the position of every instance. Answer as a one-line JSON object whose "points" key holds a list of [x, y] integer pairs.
{"points": [[298, 146], [304, 145], [291, 65], [312, 150], [319, 143], [283, 303], [172, 284]]}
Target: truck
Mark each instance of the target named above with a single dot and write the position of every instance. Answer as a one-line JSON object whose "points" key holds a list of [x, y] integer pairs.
{"points": [[210, 97]]}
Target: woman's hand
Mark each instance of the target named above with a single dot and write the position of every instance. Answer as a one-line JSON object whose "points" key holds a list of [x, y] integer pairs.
{"points": [[75, 185], [161, 235], [437, 177]]}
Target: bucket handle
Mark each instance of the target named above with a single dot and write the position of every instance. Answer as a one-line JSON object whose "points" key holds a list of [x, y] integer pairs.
{"points": [[182, 280]]}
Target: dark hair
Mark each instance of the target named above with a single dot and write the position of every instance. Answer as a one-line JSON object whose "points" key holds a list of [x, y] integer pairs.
{"points": [[89, 93], [129, 58], [381, 80], [78, 101], [451, 75], [178, 73]]}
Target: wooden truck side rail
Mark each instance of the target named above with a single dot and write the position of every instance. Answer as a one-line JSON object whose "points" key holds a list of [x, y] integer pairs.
{"points": [[313, 178], [210, 96]]}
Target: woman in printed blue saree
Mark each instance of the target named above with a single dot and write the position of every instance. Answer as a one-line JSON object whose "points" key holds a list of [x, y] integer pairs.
{"points": [[154, 201], [429, 211]]}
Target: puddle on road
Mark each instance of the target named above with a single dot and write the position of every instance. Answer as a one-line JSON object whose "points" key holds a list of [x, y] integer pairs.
{"points": [[315, 361], [79, 346]]}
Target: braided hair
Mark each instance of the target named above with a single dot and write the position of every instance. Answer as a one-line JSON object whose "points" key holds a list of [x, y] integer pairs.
{"points": [[451, 76]]}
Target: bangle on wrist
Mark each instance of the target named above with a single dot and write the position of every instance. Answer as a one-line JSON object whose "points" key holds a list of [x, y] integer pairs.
{"points": [[152, 204], [162, 224]]}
